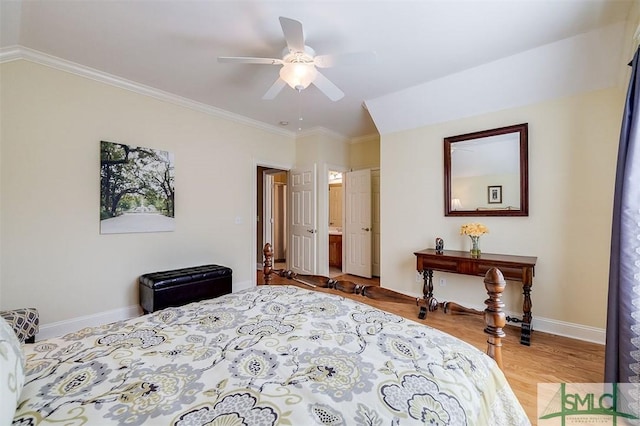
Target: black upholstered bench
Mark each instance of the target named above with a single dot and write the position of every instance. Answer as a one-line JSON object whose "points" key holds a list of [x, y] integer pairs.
{"points": [[159, 290]]}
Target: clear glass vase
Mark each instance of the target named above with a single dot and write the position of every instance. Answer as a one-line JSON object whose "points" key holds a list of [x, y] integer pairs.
{"points": [[475, 245]]}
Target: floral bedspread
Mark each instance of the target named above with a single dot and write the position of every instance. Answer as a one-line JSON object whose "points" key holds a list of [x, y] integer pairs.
{"points": [[270, 355]]}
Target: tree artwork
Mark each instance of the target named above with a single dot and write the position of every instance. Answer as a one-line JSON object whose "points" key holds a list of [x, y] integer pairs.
{"points": [[136, 189]]}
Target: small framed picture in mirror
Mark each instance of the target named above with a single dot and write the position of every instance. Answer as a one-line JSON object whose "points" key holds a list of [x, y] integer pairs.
{"points": [[494, 194]]}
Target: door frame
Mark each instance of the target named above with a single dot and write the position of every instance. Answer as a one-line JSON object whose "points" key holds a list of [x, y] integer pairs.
{"points": [[254, 261], [375, 226], [267, 206]]}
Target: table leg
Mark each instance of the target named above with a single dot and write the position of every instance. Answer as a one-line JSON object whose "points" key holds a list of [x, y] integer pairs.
{"points": [[427, 291], [525, 321], [527, 282], [432, 302]]}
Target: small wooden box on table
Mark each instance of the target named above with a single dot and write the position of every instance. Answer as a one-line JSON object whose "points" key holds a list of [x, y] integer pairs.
{"points": [[516, 268], [159, 290]]}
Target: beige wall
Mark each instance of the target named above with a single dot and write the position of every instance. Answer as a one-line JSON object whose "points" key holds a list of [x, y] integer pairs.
{"points": [[53, 256], [321, 147], [364, 153], [572, 154]]}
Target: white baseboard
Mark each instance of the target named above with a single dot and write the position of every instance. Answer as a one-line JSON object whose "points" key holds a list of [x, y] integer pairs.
{"points": [[242, 285], [568, 329], [61, 328]]}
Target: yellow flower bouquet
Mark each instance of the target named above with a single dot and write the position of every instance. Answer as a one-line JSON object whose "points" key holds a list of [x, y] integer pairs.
{"points": [[474, 231]]}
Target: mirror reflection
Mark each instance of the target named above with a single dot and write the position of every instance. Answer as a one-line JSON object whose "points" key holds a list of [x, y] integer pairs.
{"points": [[486, 173]]}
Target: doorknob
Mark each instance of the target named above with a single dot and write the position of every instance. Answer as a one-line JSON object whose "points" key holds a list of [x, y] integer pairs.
{"points": [[312, 231], [365, 229]]}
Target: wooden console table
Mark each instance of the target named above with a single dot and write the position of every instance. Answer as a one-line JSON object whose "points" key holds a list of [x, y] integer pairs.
{"points": [[516, 268]]}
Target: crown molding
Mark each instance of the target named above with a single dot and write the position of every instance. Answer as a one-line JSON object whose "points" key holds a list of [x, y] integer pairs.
{"points": [[11, 53], [14, 53]]}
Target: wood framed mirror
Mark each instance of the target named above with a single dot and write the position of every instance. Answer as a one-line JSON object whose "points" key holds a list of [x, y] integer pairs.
{"points": [[486, 173]]}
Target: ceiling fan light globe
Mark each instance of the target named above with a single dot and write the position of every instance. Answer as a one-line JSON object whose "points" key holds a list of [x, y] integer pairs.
{"points": [[298, 75]]}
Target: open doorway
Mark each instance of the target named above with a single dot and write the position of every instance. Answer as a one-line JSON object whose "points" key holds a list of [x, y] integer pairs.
{"points": [[271, 214]]}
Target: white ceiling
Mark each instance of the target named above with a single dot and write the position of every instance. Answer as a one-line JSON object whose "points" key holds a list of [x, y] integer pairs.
{"points": [[173, 45]]}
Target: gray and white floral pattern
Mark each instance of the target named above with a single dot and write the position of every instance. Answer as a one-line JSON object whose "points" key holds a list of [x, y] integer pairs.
{"points": [[273, 355], [12, 371]]}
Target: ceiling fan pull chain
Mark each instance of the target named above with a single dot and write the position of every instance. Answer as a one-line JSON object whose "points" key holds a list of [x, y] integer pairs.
{"points": [[299, 109]]}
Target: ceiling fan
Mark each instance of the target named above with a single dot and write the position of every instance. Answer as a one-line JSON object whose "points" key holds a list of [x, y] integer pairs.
{"points": [[299, 63]]}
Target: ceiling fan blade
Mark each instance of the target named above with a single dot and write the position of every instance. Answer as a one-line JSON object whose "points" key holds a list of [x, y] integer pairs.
{"points": [[353, 58], [249, 60], [328, 88], [274, 89], [293, 34]]}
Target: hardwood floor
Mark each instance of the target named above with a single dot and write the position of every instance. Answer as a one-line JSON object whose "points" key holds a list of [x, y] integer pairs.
{"points": [[549, 359]]}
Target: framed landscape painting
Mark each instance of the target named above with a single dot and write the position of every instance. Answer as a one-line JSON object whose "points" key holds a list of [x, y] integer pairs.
{"points": [[136, 189]]}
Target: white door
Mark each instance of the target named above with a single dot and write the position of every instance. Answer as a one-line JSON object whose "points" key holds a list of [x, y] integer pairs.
{"points": [[358, 225], [303, 221]]}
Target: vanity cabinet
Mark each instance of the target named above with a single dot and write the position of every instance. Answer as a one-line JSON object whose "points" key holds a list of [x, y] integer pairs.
{"points": [[335, 250]]}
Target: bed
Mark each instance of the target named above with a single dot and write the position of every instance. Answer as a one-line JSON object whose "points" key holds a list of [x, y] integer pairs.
{"points": [[270, 355]]}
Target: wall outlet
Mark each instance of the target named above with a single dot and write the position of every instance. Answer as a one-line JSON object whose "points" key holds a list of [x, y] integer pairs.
{"points": [[443, 282], [418, 277]]}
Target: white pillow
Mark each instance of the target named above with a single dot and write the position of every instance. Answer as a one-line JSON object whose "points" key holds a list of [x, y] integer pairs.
{"points": [[11, 372]]}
